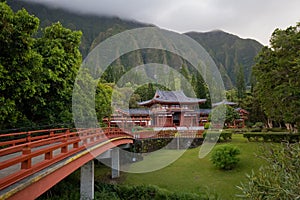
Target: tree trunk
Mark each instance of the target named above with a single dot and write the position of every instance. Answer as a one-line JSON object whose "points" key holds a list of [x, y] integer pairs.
{"points": [[270, 123]]}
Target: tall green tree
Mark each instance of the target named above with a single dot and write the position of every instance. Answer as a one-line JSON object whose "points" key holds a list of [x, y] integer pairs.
{"points": [[59, 47], [201, 89], [171, 81], [277, 72], [20, 66], [240, 82], [184, 82], [36, 74]]}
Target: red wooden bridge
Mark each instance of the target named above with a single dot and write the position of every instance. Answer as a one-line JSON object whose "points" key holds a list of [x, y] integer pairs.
{"points": [[32, 162]]}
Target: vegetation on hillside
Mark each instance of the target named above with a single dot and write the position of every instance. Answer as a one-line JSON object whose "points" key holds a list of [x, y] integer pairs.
{"points": [[229, 52]]}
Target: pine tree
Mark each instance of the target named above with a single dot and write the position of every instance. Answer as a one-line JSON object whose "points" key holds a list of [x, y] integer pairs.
{"points": [[241, 85]]}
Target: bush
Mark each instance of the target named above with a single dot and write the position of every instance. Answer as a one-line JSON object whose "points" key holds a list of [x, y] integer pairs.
{"points": [[224, 157], [258, 125], [207, 125], [145, 192], [225, 135], [279, 178], [272, 137]]}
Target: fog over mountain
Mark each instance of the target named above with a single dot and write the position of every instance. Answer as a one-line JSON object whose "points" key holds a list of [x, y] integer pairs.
{"points": [[254, 19], [230, 52]]}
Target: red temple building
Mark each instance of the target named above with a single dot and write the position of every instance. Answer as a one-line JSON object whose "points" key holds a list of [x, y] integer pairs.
{"points": [[165, 109], [170, 109], [173, 108]]}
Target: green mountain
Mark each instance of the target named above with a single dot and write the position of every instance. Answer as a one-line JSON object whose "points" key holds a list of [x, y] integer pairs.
{"points": [[90, 25], [228, 51]]}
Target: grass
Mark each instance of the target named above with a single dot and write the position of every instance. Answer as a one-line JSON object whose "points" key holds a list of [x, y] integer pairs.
{"points": [[191, 174]]}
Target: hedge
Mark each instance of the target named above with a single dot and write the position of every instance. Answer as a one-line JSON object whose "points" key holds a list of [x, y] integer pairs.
{"points": [[222, 136], [272, 137]]}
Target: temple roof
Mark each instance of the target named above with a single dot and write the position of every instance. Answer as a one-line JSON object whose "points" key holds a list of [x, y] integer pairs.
{"points": [[168, 97], [134, 112], [224, 102]]}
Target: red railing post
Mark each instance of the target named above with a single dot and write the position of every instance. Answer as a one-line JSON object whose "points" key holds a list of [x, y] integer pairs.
{"points": [[64, 149], [26, 164], [49, 155], [28, 136], [92, 135]]}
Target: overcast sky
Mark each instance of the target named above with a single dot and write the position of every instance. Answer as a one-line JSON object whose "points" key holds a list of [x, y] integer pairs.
{"points": [[254, 19]]}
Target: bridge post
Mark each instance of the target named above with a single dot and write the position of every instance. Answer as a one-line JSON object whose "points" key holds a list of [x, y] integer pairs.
{"points": [[87, 181], [115, 163]]}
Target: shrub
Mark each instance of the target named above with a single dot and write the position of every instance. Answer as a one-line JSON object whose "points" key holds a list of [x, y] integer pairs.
{"points": [[207, 125], [225, 135], [273, 137], [258, 125], [279, 178], [224, 157]]}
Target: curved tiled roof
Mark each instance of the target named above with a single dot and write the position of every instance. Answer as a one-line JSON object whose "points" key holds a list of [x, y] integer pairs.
{"points": [[171, 97], [134, 112], [224, 102]]}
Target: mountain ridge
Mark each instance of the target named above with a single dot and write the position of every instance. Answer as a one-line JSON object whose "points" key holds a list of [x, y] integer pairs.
{"points": [[230, 52]]}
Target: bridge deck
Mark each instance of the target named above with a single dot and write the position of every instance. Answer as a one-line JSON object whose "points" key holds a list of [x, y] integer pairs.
{"points": [[25, 155]]}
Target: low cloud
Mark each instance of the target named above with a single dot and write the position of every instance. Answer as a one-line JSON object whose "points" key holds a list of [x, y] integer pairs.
{"points": [[254, 19]]}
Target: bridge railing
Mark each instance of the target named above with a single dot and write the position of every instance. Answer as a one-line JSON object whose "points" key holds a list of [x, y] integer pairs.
{"points": [[12, 139], [25, 156], [169, 134]]}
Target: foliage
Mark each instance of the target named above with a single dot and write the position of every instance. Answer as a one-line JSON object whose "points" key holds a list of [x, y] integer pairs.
{"points": [[273, 137], [59, 48], [240, 83], [113, 73], [277, 72], [224, 135], [223, 114], [227, 50], [224, 157], [147, 91], [207, 125], [279, 178], [231, 95], [36, 73], [20, 82], [103, 101], [201, 89], [229, 53]]}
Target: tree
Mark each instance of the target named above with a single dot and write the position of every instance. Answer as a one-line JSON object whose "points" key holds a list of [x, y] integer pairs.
{"points": [[184, 82], [223, 114], [277, 72], [171, 81], [201, 89], [20, 66], [36, 74], [59, 47], [103, 100], [241, 85]]}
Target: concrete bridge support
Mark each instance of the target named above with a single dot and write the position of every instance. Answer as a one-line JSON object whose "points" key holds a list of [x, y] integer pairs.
{"points": [[115, 163], [87, 173], [87, 181]]}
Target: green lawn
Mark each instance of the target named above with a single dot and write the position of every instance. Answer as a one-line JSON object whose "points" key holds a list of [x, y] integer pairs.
{"points": [[191, 174]]}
